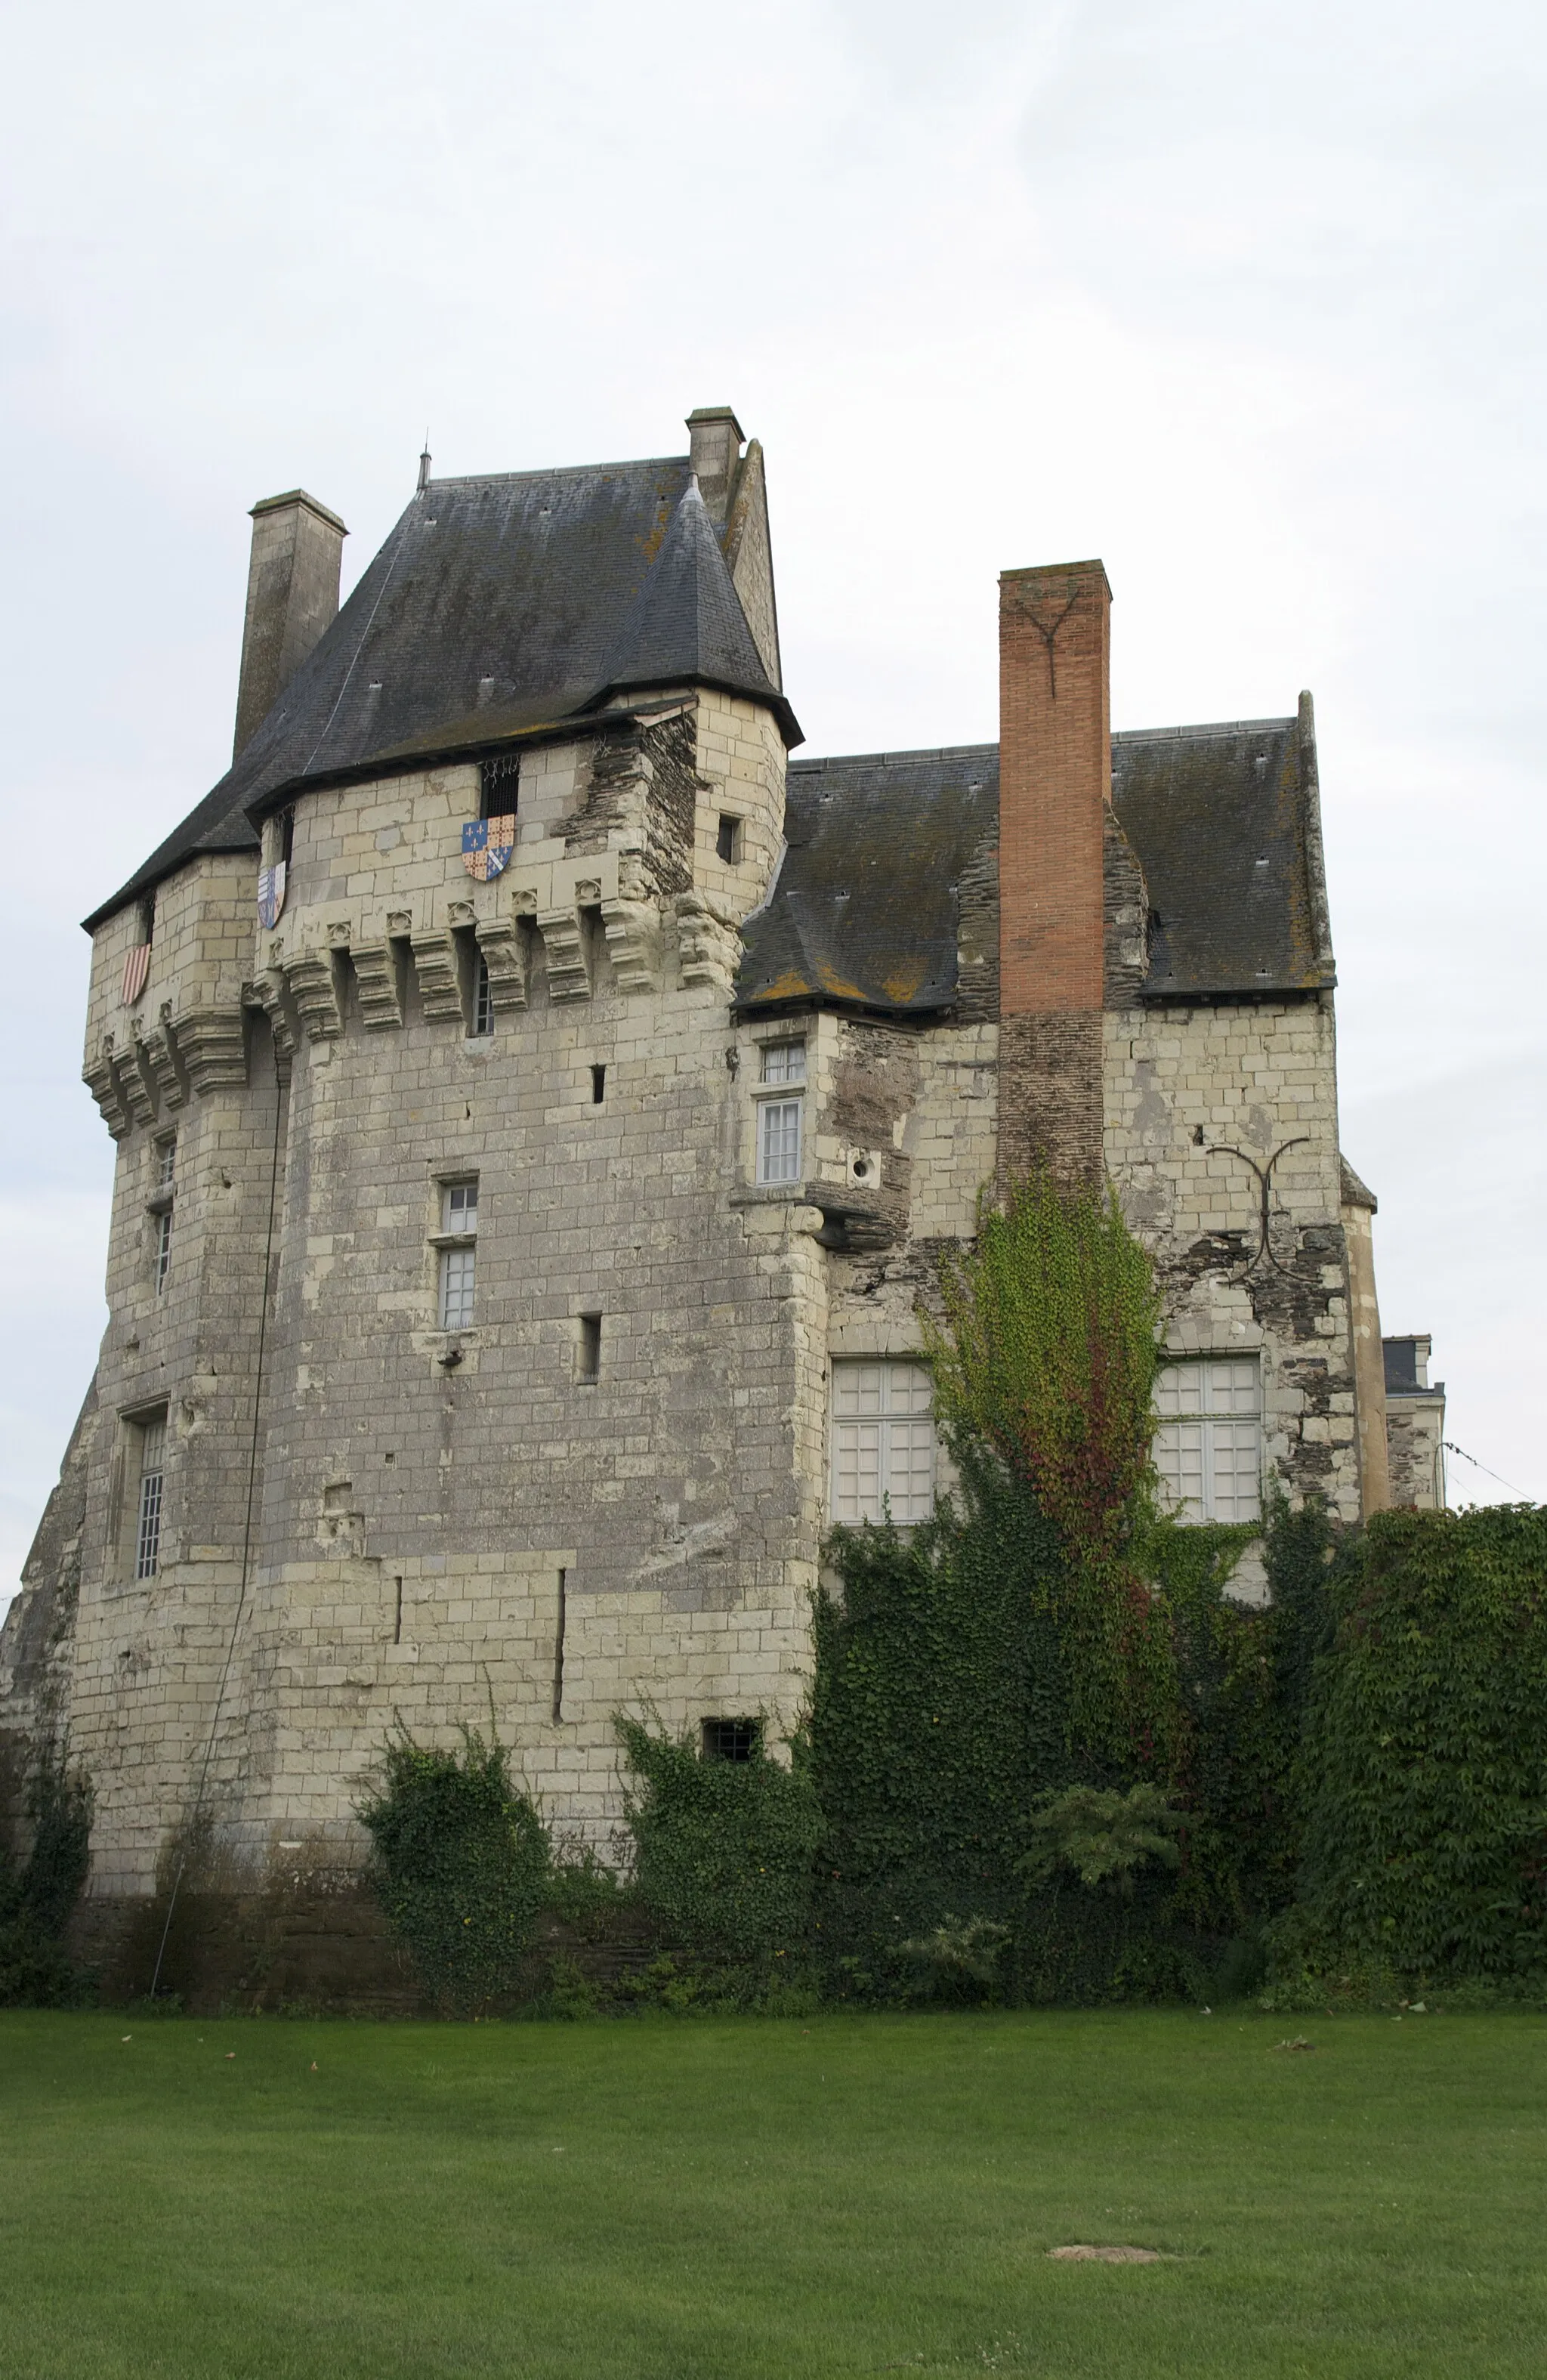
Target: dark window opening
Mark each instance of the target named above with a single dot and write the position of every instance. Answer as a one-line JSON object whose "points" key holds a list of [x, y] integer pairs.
{"points": [[590, 1347], [599, 1084], [145, 917], [500, 780], [397, 1618], [733, 1739], [558, 1649], [729, 841], [286, 835]]}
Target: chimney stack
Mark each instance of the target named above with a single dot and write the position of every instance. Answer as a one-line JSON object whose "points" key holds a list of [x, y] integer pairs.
{"points": [[1055, 786], [716, 438], [297, 548]]}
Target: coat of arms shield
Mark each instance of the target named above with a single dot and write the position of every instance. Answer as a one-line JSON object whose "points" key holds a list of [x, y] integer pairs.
{"points": [[137, 966], [270, 894], [487, 845]]}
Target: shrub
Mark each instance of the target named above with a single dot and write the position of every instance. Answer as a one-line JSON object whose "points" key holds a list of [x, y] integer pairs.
{"points": [[461, 1864], [1424, 1772], [723, 1849], [38, 1896]]}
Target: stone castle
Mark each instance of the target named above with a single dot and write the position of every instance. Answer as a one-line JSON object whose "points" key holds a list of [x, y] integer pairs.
{"points": [[540, 1104]]}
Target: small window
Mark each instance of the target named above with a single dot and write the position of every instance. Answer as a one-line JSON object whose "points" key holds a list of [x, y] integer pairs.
{"points": [[784, 1062], [589, 1361], [500, 780], [483, 998], [779, 1141], [459, 1206], [161, 1210], [1208, 1449], [733, 1739], [599, 1084], [883, 1442], [727, 841], [457, 1267], [152, 1433], [287, 836]]}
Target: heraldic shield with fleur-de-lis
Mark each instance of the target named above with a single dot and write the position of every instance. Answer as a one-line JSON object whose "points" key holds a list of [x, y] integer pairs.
{"points": [[487, 845]]}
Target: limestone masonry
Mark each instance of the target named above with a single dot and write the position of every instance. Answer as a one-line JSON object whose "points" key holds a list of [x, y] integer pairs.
{"points": [[540, 1105]]}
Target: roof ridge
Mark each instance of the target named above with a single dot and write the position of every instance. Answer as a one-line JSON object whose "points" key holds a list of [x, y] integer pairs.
{"points": [[557, 471]]}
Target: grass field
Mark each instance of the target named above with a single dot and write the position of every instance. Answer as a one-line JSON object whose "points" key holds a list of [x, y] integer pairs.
{"points": [[743, 2200]]}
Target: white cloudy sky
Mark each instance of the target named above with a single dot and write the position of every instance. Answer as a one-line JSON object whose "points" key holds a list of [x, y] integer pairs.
{"points": [[1243, 295]]}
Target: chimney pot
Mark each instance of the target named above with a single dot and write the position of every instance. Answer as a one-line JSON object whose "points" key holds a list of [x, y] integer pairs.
{"points": [[298, 551]]}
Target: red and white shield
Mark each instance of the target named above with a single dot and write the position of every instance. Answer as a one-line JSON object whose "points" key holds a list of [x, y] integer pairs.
{"points": [[137, 966]]}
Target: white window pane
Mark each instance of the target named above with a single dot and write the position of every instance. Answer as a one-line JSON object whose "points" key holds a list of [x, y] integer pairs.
{"points": [[910, 1389], [778, 1144], [910, 1474], [164, 1248], [1230, 1388], [1235, 1465], [857, 1388], [1177, 1390], [456, 1288], [857, 1471], [459, 1207], [784, 1062], [1178, 1458]]}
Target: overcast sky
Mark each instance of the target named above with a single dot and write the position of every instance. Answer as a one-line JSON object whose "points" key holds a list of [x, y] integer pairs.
{"points": [[1245, 298]]}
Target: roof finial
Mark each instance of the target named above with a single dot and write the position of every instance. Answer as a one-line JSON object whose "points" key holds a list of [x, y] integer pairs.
{"points": [[424, 464]]}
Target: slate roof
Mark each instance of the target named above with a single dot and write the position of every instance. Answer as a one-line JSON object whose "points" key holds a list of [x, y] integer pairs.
{"points": [[496, 607], [1223, 820], [864, 908]]}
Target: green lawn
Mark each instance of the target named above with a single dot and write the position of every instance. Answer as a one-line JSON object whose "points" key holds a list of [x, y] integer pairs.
{"points": [[735, 2200]]}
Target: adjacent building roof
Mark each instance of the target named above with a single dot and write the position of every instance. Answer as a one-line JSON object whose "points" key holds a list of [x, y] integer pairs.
{"points": [[1223, 820], [496, 605]]}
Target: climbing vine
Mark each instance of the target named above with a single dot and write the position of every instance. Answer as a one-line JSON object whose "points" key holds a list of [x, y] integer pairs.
{"points": [[462, 1863], [39, 1892], [1047, 1356]]}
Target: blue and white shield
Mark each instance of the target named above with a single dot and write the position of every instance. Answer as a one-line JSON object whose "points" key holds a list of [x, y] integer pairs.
{"points": [[486, 847], [270, 894]]}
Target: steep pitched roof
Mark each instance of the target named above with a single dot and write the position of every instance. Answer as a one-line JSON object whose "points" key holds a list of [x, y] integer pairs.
{"points": [[864, 909], [496, 605], [1223, 820]]}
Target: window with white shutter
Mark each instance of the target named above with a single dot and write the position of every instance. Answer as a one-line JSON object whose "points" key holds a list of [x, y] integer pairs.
{"points": [[883, 1442], [1208, 1449]]}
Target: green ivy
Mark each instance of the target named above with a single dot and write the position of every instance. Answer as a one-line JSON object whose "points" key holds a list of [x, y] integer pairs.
{"points": [[38, 1895], [723, 1849], [462, 1864], [1422, 1776]]}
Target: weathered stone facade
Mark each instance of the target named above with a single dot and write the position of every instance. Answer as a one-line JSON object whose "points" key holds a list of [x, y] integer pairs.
{"points": [[609, 1487]]}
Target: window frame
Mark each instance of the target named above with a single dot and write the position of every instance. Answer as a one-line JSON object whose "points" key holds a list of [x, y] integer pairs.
{"points": [[779, 1090], [160, 1207], [1218, 1425], [140, 1522], [456, 1245], [884, 1417]]}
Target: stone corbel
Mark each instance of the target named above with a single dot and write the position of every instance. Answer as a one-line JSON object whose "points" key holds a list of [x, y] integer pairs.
{"points": [[101, 1076], [310, 982], [500, 940], [213, 1048], [376, 980], [567, 978], [136, 1083], [435, 965], [709, 943], [272, 996], [161, 1056], [633, 930]]}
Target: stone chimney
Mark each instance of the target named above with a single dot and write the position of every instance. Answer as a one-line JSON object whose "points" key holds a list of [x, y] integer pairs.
{"points": [[716, 438], [1054, 785], [297, 546]]}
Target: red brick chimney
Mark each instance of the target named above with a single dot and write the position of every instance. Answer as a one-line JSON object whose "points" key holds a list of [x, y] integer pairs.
{"points": [[1055, 782]]}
